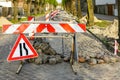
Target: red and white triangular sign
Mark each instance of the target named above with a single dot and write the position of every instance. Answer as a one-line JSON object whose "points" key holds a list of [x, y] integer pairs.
{"points": [[22, 49]]}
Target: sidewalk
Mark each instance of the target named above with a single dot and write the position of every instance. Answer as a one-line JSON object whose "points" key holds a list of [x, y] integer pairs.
{"points": [[103, 17]]}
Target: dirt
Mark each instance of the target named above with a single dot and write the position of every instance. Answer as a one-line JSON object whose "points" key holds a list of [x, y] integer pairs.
{"points": [[4, 21]]}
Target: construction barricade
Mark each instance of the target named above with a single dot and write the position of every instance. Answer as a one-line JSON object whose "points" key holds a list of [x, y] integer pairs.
{"points": [[24, 50]]}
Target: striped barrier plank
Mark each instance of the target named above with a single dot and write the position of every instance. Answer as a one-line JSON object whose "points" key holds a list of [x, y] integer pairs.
{"points": [[31, 18], [41, 28]]}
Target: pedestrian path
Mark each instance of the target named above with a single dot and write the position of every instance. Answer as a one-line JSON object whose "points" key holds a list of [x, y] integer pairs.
{"points": [[104, 17]]}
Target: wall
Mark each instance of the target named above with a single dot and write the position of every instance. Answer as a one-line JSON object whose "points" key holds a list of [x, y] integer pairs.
{"points": [[104, 2]]}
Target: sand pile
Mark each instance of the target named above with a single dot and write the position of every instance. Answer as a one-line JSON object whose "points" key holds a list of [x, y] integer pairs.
{"points": [[3, 21], [84, 19]]}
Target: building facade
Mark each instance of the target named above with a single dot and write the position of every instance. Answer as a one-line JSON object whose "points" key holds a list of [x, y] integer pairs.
{"points": [[107, 7]]}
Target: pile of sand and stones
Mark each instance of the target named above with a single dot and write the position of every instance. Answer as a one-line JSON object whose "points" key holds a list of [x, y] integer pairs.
{"points": [[96, 52], [93, 51], [3, 21], [46, 53]]}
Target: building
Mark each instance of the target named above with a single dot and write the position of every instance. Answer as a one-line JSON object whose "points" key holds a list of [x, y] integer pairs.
{"points": [[107, 7], [6, 10]]}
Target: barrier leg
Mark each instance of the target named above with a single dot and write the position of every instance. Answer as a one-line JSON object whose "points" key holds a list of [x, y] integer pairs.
{"points": [[74, 54], [20, 67], [75, 48], [63, 46]]}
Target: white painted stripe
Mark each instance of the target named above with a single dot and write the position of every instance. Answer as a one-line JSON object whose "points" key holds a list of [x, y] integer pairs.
{"points": [[12, 28], [47, 17], [76, 27], [44, 30], [31, 28], [32, 19], [58, 28]]}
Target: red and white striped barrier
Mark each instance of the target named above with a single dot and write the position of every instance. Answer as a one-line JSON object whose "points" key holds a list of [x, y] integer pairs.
{"points": [[54, 13], [30, 18], [47, 17], [116, 47], [51, 15], [41, 28]]}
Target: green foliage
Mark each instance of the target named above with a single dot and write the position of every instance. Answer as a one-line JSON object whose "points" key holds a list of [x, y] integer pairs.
{"points": [[103, 24], [38, 14], [53, 2], [19, 20], [25, 18], [13, 21], [0, 28], [64, 2]]}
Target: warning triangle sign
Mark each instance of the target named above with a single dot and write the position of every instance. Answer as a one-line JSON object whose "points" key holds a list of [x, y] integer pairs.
{"points": [[22, 49]]}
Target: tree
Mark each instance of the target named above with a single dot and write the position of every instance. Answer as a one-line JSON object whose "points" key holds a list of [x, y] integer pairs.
{"points": [[36, 6], [74, 9], [79, 13], [90, 13], [67, 5], [52, 3], [15, 2], [119, 20], [28, 7]]}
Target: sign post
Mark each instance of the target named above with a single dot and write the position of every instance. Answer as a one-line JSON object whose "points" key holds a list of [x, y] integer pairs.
{"points": [[21, 50]]}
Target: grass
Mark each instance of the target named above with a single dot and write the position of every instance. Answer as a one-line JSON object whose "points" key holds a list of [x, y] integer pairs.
{"points": [[0, 28], [25, 18], [39, 14], [103, 24], [19, 20]]}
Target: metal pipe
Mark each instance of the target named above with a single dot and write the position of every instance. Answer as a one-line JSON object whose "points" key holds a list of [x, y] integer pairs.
{"points": [[20, 67]]}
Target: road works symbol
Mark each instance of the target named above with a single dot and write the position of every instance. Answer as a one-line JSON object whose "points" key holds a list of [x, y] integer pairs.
{"points": [[22, 50]]}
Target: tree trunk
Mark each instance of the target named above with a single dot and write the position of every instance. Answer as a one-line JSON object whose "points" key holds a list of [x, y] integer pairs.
{"points": [[28, 7], [119, 20], [35, 7], [74, 11], [90, 13], [4, 11], [15, 10], [79, 13]]}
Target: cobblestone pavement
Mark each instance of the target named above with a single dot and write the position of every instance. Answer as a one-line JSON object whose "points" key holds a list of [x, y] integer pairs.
{"points": [[61, 71]]}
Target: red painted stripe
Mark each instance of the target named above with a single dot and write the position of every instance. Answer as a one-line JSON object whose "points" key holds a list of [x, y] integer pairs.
{"points": [[83, 26], [50, 28], [41, 27], [5, 27], [30, 18], [21, 28], [67, 27]]}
